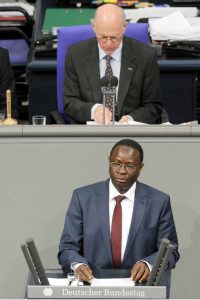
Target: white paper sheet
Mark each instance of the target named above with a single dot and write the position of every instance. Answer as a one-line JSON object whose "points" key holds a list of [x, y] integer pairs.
{"points": [[117, 123], [181, 124], [159, 12], [112, 282], [174, 27], [58, 281]]}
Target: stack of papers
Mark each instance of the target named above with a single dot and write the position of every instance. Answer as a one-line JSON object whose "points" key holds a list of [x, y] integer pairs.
{"points": [[174, 27], [95, 282], [158, 12]]}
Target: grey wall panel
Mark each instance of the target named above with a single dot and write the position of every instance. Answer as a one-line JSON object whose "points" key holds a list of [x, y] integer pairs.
{"points": [[37, 179]]}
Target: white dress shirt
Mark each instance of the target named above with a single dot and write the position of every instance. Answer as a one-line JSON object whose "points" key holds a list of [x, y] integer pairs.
{"points": [[115, 61]]}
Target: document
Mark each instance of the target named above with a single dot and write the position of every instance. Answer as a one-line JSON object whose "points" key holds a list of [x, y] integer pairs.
{"points": [[112, 282], [192, 123], [58, 281], [64, 282], [117, 123], [139, 123], [158, 12], [174, 27]]}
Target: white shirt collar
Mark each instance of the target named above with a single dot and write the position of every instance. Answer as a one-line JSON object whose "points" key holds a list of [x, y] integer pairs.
{"points": [[113, 192], [116, 55]]}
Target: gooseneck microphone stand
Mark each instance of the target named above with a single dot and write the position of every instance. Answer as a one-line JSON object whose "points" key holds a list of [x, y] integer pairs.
{"points": [[111, 83]]}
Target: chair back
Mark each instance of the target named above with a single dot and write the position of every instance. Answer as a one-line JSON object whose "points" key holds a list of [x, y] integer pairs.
{"points": [[15, 33], [18, 51], [70, 35]]}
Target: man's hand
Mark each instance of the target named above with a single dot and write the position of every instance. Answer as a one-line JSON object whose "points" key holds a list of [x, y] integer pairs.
{"points": [[140, 272], [125, 119], [84, 272], [99, 114]]}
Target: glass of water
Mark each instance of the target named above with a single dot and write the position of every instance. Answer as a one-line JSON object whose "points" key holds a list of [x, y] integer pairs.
{"points": [[39, 120]]}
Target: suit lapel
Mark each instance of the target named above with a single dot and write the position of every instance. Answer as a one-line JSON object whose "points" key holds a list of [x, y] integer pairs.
{"points": [[102, 206], [140, 204], [92, 71], [127, 69]]}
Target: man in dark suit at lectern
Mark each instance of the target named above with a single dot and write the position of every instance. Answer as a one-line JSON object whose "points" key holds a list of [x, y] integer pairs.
{"points": [[132, 62], [118, 223]]}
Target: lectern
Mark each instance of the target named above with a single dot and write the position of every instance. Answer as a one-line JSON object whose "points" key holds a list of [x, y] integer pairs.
{"points": [[92, 292], [39, 288]]}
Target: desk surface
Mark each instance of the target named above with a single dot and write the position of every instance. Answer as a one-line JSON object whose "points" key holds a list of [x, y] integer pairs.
{"points": [[178, 64], [85, 131]]}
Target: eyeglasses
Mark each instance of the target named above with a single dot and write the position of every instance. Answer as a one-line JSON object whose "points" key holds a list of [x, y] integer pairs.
{"points": [[129, 167], [112, 39]]}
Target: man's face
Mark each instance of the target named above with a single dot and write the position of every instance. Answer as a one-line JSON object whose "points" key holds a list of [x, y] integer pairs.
{"points": [[109, 35], [125, 167]]}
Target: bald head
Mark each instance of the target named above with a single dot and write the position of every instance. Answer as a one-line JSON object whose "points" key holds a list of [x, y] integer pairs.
{"points": [[109, 25], [110, 13]]}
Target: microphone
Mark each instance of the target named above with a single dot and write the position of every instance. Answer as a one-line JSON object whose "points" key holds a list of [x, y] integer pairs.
{"points": [[108, 88], [160, 263], [34, 262], [113, 84], [113, 81], [104, 84], [104, 81]]}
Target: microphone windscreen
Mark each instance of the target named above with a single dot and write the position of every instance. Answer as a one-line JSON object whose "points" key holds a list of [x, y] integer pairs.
{"points": [[114, 81], [105, 81]]}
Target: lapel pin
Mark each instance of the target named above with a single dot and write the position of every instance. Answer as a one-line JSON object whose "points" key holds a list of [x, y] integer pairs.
{"points": [[130, 69]]}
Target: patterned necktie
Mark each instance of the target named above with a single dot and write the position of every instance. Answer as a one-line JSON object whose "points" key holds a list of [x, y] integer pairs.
{"points": [[109, 74], [108, 71], [116, 232]]}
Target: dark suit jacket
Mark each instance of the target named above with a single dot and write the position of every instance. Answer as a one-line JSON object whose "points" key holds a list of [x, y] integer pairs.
{"points": [[6, 82], [139, 85], [86, 234]]}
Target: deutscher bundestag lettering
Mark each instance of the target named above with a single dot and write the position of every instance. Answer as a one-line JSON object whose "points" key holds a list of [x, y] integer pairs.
{"points": [[81, 292], [104, 292]]}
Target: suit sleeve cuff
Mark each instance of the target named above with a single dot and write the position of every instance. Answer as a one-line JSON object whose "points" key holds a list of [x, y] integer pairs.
{"points": [[148, 265], [75, 265]]}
